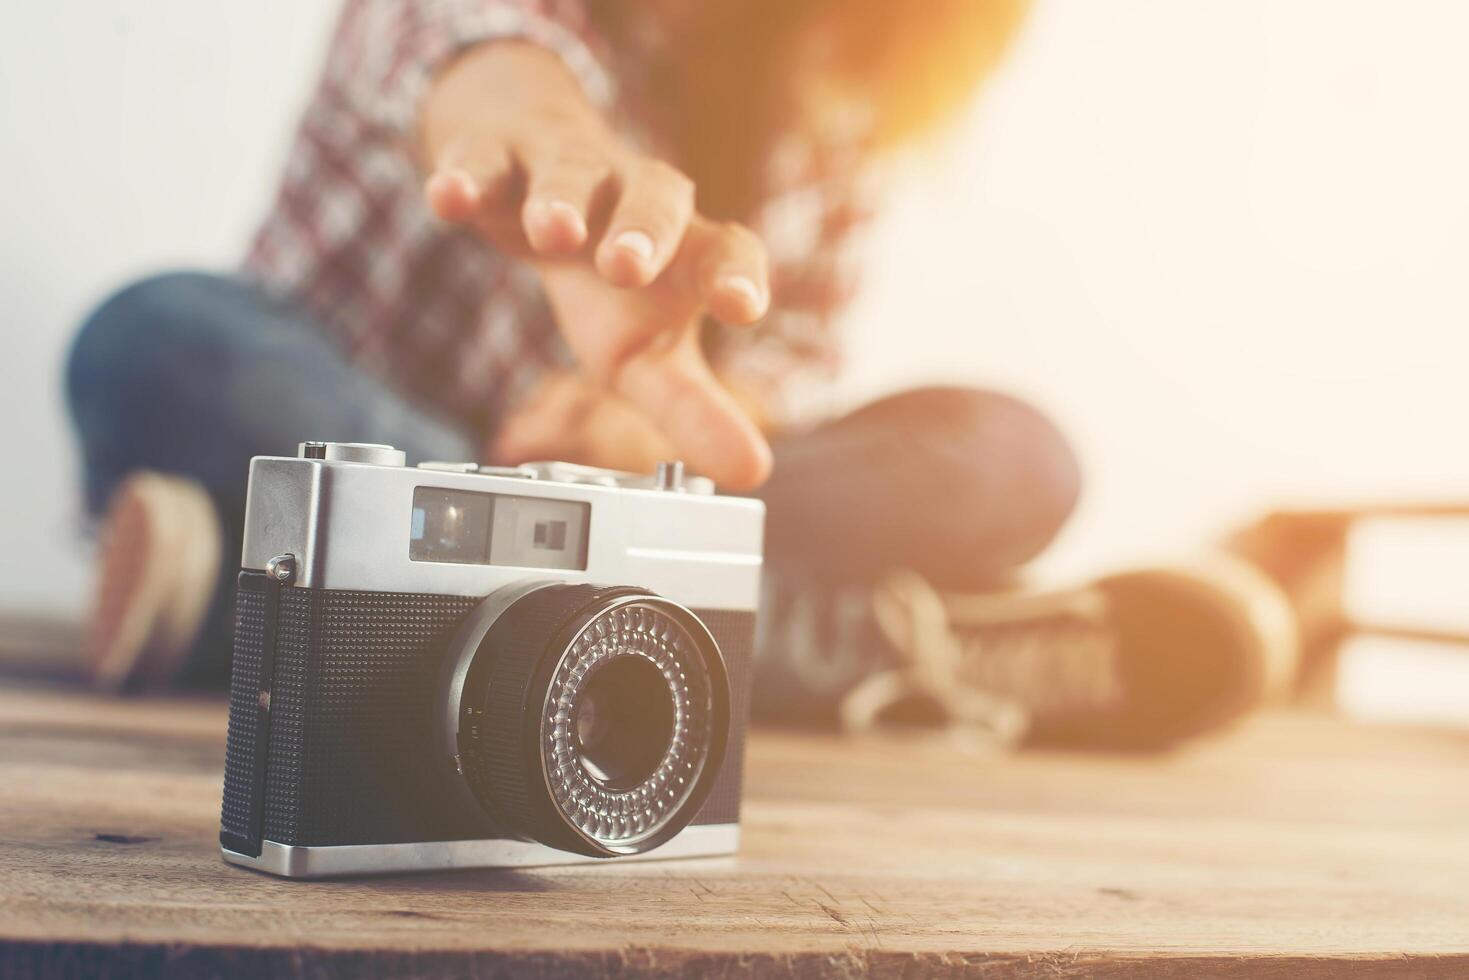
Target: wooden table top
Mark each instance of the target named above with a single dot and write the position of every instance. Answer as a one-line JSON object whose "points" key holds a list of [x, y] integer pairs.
{"points": [[1297, 846]]}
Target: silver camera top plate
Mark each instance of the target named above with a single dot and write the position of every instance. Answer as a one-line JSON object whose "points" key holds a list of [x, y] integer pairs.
{"points": [[343, 511], [668, 476]]}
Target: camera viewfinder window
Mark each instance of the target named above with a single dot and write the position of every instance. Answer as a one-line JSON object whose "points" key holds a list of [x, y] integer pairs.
{"points": [[550, 534], [495, 529]]}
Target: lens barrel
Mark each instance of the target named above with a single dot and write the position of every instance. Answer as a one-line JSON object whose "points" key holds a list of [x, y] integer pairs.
{"points": [[592, 719]]}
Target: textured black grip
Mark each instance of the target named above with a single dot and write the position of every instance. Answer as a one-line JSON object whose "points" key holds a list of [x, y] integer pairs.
{"points": [[244, 769]]}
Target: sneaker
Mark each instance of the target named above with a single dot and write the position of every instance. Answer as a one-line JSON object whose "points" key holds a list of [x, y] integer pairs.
{"points": [[158, 560], [1141, 659]]}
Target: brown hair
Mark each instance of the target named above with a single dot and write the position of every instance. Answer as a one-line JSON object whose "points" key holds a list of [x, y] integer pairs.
{"points": [[728, 93]]}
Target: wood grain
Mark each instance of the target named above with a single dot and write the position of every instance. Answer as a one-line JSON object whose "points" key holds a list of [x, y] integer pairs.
{"points": [[1297, 846]]}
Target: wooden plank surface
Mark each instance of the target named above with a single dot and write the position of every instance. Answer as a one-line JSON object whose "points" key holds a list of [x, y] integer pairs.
{"points": [[1297, 846]]}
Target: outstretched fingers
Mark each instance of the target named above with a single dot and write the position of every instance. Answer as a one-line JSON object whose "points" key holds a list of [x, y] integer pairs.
{"points": [[647, 225], [468, 178], [730, 271], [561, 194]]}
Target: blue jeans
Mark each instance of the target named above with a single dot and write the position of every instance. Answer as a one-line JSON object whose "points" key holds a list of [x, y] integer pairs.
{"points": [[193, 374]]}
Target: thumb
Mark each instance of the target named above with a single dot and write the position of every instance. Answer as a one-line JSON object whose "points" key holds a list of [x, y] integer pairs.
{"points": [[676, 389]]}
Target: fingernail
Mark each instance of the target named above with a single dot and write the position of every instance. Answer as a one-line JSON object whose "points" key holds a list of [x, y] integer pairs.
{"points": [[638, 243], [566, 210], [445, 180], [743, 285], [465, 181]]}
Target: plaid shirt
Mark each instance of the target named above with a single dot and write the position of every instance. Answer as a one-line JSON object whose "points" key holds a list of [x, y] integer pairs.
{"points": [[441, 315]]}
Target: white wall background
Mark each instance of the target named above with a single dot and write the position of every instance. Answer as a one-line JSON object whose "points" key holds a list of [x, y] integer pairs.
{"points": [[1226, 244], [137, 136]]}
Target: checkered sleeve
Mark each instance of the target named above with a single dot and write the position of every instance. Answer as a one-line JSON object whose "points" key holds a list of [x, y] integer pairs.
{"points": [[386, 52]]}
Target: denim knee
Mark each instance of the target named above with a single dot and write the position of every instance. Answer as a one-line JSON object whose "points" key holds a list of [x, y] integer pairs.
{"points": [[115, 366], [121, 338], [1002, 478]]}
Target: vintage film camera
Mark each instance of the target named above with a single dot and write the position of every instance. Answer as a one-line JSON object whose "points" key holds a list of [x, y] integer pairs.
{"points": [[456, 666]]}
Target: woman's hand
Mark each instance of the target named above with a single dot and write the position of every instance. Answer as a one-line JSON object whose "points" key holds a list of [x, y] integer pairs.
{"points": [[629, 267]]}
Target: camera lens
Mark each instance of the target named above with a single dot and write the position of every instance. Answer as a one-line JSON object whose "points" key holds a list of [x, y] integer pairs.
{"points": [[593, 719], [624, 722]]}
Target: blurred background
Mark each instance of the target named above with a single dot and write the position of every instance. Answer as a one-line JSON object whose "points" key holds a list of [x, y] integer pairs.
{"points": [[1224, 244]]}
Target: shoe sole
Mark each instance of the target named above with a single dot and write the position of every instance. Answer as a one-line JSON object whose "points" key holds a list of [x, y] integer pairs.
{"points": [[160, 552]]}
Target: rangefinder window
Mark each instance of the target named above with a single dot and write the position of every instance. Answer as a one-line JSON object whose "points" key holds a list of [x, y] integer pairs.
{"points": [[498, 529]]}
